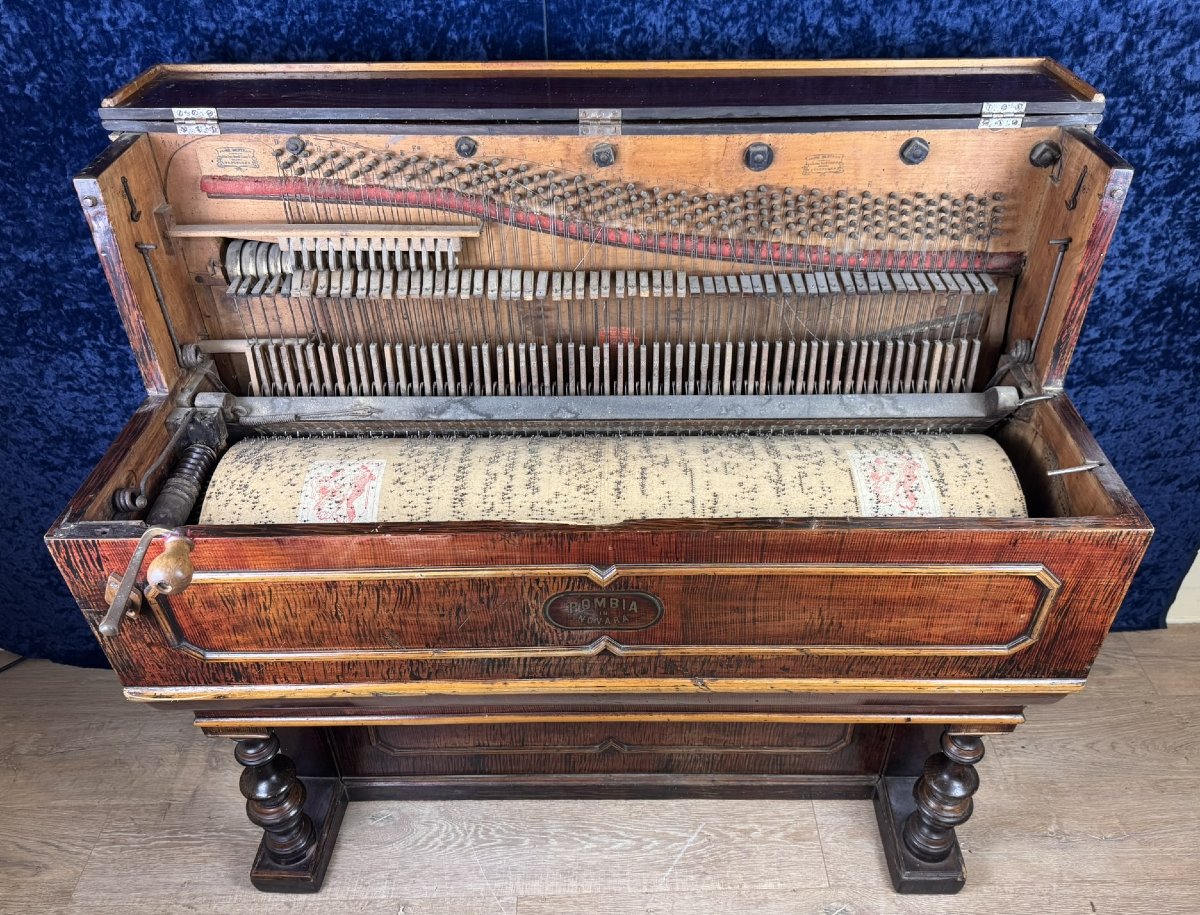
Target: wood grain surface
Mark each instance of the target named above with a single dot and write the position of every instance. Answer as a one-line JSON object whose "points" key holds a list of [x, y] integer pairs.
{"points": [[110, 807]]}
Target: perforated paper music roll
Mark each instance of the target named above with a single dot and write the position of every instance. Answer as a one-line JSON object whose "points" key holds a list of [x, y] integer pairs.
{"points": [[609, 479]]}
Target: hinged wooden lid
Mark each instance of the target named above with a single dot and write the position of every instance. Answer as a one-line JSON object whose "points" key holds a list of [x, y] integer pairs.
{"points": [[1068, 238], [639, 97]]}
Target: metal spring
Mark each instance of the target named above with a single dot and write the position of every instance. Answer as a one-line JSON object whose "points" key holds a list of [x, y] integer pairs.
{"points": [[129, 500], [182, 488]]}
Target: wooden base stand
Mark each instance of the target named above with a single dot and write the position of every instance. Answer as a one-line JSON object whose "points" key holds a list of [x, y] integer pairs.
{"points": [[894, 804], [917, 817], [300, 818], [923, 782], [325, 806]]}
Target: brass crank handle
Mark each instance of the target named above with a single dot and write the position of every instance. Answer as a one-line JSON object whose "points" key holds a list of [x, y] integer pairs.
{"points": [[169, 573]]}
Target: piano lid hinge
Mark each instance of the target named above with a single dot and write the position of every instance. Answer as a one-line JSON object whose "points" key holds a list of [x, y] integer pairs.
{"points": [[599, 122], [1001, 115], [196, 122]]}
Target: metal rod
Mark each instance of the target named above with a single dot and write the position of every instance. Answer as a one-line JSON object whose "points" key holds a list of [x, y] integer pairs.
{"points": [[1079, 468], [1063, 244], [992, 404], [145, 249]]}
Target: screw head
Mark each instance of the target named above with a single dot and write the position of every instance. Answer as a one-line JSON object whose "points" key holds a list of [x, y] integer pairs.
{"points": [[914, 151], [89, 201], [466, 147], [604, 155], [294, 145], [1045, 154], [758, 157]]}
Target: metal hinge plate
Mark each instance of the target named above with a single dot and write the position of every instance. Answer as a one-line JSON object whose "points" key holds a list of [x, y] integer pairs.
{"points": [[1001, 115], [196, 122], [599, 122]]}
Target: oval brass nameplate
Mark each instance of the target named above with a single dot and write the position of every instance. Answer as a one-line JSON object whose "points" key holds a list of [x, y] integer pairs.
{"points": [[603, 610]]}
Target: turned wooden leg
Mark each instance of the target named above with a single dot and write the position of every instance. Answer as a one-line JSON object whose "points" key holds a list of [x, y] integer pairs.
{"points": [[275, 800], [299, 820], [943, 797], [917, 817]]}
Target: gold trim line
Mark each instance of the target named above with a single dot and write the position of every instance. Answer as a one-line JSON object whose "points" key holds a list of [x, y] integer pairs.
{"points": [[589, 686]]}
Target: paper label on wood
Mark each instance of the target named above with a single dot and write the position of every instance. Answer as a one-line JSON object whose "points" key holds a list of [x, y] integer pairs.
{"points": [[341, 492], [894, 483]]}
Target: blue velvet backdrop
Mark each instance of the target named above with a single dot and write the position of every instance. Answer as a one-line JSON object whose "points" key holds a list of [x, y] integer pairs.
{"points": [[67, 376]]}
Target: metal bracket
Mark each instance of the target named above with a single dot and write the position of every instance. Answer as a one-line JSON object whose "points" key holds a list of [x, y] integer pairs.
{"points": [[599, 122], [1001, 115], [196, 122], [188, 425]]}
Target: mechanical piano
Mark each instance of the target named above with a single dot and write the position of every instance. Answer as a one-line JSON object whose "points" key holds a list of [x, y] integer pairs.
{"points": [[623, 429]]}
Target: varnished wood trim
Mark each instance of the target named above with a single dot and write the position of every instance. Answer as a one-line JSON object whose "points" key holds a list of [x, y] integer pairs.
{"points": [[158, 371], [1046, 580], [217, 725], [1115, 186], [123, 464], [645, 785], [1113, 486], [135, 85], [665, 68], [595, 685], [1072, 81], [609, 574]]}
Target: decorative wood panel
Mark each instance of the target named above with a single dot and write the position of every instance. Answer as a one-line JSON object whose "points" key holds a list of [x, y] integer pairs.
{"points": [[504, 739], [619, 747], [495, 611]]}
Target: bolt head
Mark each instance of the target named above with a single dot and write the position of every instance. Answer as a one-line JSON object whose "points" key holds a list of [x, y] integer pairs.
{"points": [[914, 151], [604, 155], [294, 145], [466, 147], [758, 157]]}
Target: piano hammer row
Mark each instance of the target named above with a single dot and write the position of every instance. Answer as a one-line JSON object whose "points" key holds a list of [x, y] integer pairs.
{"points": [[559, 285], [257, 258]]}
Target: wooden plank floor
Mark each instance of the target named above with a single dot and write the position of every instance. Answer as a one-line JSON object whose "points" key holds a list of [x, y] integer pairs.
{"points": [[1093, 807]]}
